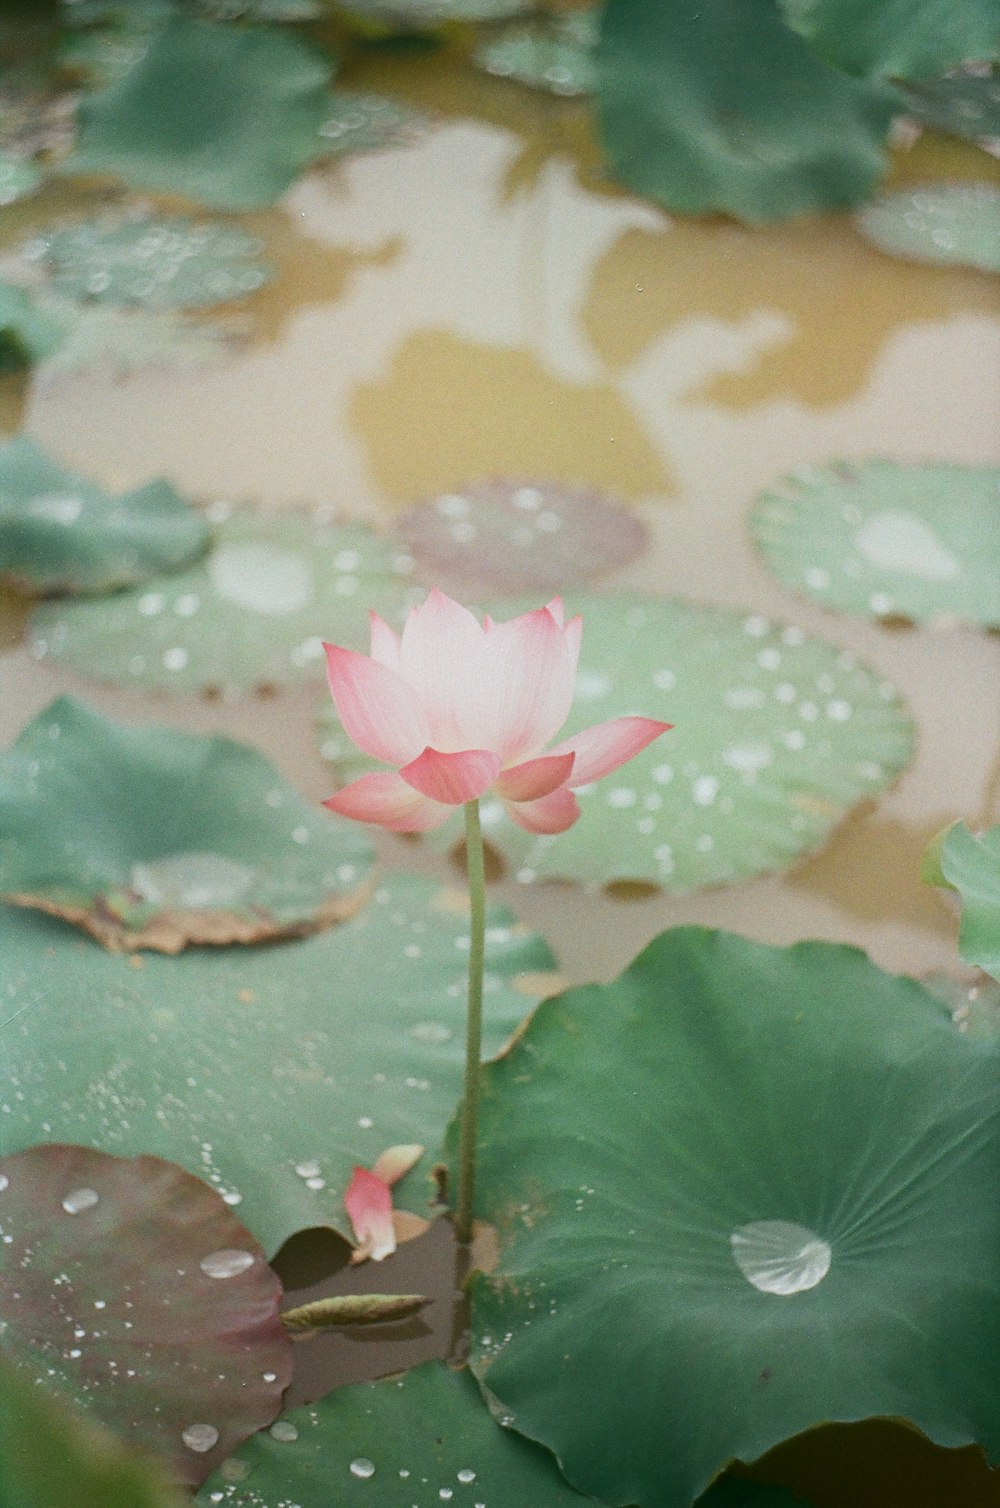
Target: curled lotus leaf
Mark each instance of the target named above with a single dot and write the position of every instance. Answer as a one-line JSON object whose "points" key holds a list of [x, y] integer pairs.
{"points": [[775, 1166], [970, 863], [153, 262], [555, 54], [61, 532], [504, 537], [52, 1453], [178, 121], [271, 1072], [949, 223], [129, 1285], [885, 540], [252, 612], [147, 838]]}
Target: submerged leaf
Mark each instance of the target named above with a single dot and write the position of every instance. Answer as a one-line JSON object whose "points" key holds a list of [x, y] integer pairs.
{"points": [[61, 532], [953, 223], [131, 1286], [888, 540], [224, 115], [269, 1071], [148, 838], [775, 1166], [724, 108]]}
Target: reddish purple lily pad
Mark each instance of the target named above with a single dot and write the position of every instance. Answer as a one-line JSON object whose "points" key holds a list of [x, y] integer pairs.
{"points": [[504, 537], [130, 1285]]}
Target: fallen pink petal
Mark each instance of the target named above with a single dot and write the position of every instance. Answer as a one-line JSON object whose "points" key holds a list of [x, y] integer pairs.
{"points": [[368, 1202]]}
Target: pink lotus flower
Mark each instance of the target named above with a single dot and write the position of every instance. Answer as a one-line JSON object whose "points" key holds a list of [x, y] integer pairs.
{"points": [[462, 708]]}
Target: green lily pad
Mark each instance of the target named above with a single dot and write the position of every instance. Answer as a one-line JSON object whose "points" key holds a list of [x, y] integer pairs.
{"points": [[425, 1437], [27, 333], [514, 536], [970, 864], [555, 54], [131, 1286], [270, 1072], [885, 540], [950, 223], [18, 178], [60, 532], [776, 736], [739, 1192], [967, 105], [253, 612], [50, 1453], [224, 115], [148, 838], [156, 263], [901, 39], [363, 122], [724, 108]]}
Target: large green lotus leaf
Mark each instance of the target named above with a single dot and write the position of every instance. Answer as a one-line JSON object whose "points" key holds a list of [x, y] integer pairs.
{"points": [[555, 54], [722, 107], [253, 612], [970, 864], [950, 223], [129, 1285], [422, 1439], [156, 263], [906, 39], [776, 735], [27, 333], [149, 838], [886, 540], [269, 1071], [740, 1191], [61, 532], [50, 1453], [224, 115], [501, 537], [358, 121], [967, 105]]}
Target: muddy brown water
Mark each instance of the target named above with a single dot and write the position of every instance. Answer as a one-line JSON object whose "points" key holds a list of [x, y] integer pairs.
{"points": [[486, 303]]}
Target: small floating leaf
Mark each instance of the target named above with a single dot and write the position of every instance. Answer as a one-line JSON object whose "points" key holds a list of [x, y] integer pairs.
{"points": [[27, 334], [52, 1453], [504, 537], [180, 121], [364, 122], [269, 1071], [60, 532], [952, 223], [148, 838], [130, 1285], [426, 1435], [555, 54], [722, 107], [253, 612], [767, 1163], [970, 864], [352, 1309], [156, 263], [886, 540]]}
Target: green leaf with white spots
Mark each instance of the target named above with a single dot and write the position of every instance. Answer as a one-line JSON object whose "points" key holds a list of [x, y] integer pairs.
{"points": [[27, 333], [887, 540], [898, 39], [50, 1453], [425, 1438], [148, 838], [155, 263], [776, 736], [740, 1191], [18, 178], [975, 1007], [967, 105], [253, 612], [955, 224], [61, 532], [721, 107], [970, 864], [358, 121], [270, 1072], [224, 115], [128, 1285], [555, 54]]}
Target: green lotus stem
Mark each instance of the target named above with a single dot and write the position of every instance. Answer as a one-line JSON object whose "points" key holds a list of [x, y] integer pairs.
{"points": [[476, 869]]}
